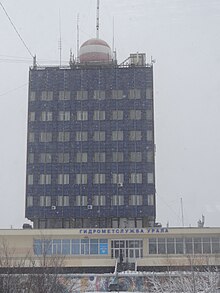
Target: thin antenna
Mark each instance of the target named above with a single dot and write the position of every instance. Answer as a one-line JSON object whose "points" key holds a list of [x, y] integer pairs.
{"points": [[77, 57], [97, 20], [181, 200], [113, 39], [60, 40]]}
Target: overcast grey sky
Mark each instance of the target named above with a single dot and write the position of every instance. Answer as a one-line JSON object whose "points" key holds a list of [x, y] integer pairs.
{"points": [[184, 38]]}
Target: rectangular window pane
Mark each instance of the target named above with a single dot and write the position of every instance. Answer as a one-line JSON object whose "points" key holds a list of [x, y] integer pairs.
{"points": [[149, 114], [150, 156], [75, 246], [99, 157], [63, 157], [117, 200], [117, 135], [149, 93], [45, 179], [118, 179], [150, 199], [135, 135], [32, 96], [99, 95], [136, 178], [64, 95], [63, 136], [135, 157], [47, 96], [170, 246], [63, 179], [30, 201], [206, 245], [134, 94], [81, 136], [161, 246], [45, 136], [99, 115], [153, 246], [45, 201], [66, 201], [117, 115], [99, 136], [45, 158], [117, 157], [30, 158], [63, 201], [32, 116], [46, 116], [30, 179], [150, 178], [189, 245], [149, 135], [82, 95], [65, 246], [117, 94], [84, 201], [98, 200], [179, 245], [215, 245], [81, 115], [31, 136], [135, 199], [64, 116], [135, 114], [99, 179], [81, 178], [81, 157], [197, 245]]}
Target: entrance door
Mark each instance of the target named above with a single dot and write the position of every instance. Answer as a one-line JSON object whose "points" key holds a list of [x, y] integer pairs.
{"points": [[127, 250]]}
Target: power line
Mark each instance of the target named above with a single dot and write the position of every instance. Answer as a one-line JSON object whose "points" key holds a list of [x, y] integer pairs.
{"points": [[16, 30], [13, 90]]}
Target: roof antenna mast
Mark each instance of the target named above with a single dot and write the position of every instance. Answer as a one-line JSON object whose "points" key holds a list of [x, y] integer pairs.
{"points": [[97, 20], [77, 37], [60, 39]]}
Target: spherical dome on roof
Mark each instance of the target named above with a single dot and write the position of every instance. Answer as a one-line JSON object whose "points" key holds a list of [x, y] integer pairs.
{"points": [[95, 50]]}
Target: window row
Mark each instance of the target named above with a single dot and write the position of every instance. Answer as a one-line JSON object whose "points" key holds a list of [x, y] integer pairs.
{"points": [[83, 157], [84, 115], [70, 246], [97, 200], [84, 95], [64, 136], [187, 245], [98, 178]]}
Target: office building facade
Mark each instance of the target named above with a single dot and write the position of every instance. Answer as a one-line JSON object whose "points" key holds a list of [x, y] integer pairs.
{"points": [[90, 145]]}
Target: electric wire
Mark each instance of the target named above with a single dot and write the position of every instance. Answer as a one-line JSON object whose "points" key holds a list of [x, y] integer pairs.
{"points": [[17, 32], [14, 89]]}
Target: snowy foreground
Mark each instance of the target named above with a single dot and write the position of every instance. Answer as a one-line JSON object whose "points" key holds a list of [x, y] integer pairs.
{"points": [[176, 282]]}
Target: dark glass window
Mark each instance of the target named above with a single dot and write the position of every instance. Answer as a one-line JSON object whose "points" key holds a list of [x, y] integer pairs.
{"points": [[206, 245], [189, 245], [197, 245], [215, 245], [65, 246], [75, 246], [153, 246], [170, 246], [179, 245], [161, 246]]}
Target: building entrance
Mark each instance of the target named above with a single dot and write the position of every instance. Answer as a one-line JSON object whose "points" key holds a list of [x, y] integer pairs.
{"points": [[126, 250]]}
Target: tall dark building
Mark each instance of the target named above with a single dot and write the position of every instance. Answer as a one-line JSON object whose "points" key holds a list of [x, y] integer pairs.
{"points": [[90, 149]]}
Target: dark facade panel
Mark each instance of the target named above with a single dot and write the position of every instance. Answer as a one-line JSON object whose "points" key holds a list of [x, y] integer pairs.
{"points": [[90, 151]]}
